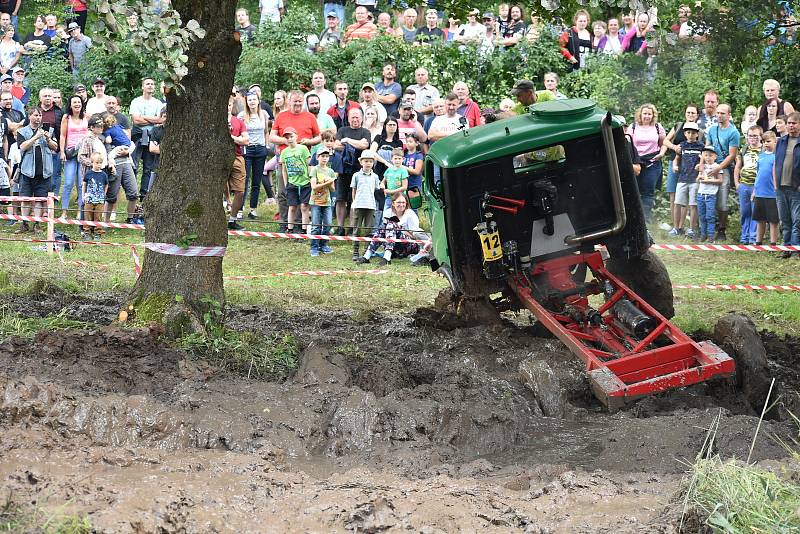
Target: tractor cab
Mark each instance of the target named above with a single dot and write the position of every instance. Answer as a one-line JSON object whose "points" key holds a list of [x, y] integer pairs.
{"points": [[519, 208]]}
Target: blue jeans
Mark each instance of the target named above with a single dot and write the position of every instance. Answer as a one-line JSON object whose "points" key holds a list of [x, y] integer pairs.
{"points": [[56, 178], [746, 214], [71, 179], [338, 8], [320, 224], [648, 179], [254, 160], [789, 213], [707, 213], [672, 178]]}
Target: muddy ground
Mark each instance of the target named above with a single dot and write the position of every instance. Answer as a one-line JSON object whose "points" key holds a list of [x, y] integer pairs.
{"points": [[389, 424]]}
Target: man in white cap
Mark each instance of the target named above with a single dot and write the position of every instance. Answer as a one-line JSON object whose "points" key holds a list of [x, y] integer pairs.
{"points": [[77, 47], [368, 99], [331, 36], [471, 32], [97, 104]]}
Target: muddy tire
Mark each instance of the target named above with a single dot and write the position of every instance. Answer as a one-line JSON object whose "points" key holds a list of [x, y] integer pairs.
{"points": [[647, 277]]}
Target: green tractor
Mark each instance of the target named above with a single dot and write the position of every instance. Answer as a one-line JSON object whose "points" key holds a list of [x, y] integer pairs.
{"points": [[542, 211]]}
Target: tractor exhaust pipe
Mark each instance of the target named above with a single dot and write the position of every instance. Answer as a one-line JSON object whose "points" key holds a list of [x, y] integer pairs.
{"points": [[616, 189]]}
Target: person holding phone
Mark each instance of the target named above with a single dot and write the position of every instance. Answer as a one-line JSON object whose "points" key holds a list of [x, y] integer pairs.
{"points": [[36, 146]]}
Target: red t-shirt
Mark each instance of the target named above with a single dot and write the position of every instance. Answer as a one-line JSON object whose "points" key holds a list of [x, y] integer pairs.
{"points": [[304, 122], [78, 5], [236, 127]]}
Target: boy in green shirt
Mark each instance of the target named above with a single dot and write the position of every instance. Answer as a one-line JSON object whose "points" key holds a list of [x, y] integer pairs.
{"points": [[294, 159], [395, 178]]}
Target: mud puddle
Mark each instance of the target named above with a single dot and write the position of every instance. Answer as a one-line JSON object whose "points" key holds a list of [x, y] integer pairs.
{"points": [[388, 424]]}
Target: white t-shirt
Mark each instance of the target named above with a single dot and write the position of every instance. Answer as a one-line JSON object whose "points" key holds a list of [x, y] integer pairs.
{"points": [[96, 105], [378, 106], [149, 107], [326, 100], [270, 10], [448, 125], [472, 33]]}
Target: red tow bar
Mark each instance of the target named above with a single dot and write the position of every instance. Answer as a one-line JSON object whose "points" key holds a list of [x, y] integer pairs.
{"points": [[630, 349]]}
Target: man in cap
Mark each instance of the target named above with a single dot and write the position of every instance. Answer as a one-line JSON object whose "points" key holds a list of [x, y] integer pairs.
{"points": [[18, 88], [97, 104], [368, 100], [407, 123], [471, 32], [331, 35], [335, 6], [525, 93], [80, 90], [77, 46]]}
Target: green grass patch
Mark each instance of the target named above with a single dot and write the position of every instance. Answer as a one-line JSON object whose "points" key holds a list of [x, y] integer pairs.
{"points": [[12, 324], [99, 269], [14, 518]]}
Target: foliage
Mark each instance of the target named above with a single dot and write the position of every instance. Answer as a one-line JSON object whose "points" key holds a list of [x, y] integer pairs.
{"points": [[245, 352], [784, 65], [15, 519], [163, 38], [277, 58], [49, 71], [122, 70]]}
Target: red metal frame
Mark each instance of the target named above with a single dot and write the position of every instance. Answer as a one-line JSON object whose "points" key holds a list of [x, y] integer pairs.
{"points": [[620, 366]]}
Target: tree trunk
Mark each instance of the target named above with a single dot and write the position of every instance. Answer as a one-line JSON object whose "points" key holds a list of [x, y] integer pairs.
{"points": [[186, 199]]}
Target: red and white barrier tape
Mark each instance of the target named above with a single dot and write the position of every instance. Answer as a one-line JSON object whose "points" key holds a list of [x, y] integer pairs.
{"points": [[286, 235], [26, 199], [78, 222], [747, 287], [176, 250], [728, 248], [327, 273]]}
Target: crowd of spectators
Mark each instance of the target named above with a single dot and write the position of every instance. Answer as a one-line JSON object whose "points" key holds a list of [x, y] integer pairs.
{"points": [[350, 159]]}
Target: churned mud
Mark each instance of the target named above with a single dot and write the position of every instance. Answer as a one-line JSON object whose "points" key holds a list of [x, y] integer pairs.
{"points": [[389, 424]]}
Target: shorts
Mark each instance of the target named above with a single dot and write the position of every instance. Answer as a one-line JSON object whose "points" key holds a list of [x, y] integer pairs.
{"points": [[724, 189], [236, 179], [297, 195], [124, 178], [343, 192], [765, 210], [686, 194], [31, 187], [5, 192]]}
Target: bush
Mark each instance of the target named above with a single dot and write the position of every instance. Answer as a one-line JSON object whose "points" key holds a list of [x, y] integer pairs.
{"points": [[123, 71], [277, 58], [48, 71]]}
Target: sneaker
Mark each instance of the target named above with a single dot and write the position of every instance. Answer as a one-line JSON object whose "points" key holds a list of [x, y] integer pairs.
{"points": [[703, 238], [129, 220], [327, 250], [340, 232], [673, 233], [113, 216], [384, 262], [361, 260], [11, 223], [84, 236], [690, 233], [24, 228], [784, 255], [314, 253], [233, 225], [252, 215], [95, 237], [421, 262], [664, 226], [721, 237], [239, 216]]}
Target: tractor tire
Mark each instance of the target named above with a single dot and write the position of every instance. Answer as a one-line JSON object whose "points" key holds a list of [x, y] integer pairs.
{"points": [[647, 277]]}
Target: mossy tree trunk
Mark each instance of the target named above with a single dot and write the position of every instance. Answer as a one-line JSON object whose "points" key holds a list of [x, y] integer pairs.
{"points": [[197, 155]]}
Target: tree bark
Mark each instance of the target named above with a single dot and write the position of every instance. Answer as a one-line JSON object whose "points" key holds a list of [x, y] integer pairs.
{"points": [[197, 155]]}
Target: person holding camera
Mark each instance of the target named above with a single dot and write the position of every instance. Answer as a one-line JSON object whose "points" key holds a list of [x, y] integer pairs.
{"points": [[36, 146]]}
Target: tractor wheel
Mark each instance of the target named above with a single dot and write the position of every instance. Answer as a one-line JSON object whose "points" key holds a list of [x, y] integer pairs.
{"points": [[647, 277]]}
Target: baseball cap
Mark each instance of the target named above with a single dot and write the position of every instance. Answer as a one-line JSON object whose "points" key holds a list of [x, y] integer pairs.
{"points": [[252, 86], [322, 151], [366, 85], [95, 120], [691, 126], [475, 11], [6, 78], [289, 130], [72, 26], [79, 87], [521, 86], [709, 148], [405, 104], [332, 14], [17, 69], [488, 15], [99, 81]]}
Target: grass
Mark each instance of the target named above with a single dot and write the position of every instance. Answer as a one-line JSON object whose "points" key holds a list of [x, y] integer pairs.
{"points": [[734, 497], [12, 324], [93, 269], [15, 519]]}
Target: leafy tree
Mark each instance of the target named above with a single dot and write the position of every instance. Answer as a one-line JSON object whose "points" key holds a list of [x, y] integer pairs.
{"points": [[184, 205]]}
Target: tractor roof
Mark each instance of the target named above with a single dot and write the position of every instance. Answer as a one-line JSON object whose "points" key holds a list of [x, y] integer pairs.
{"points": [[547, 124]]}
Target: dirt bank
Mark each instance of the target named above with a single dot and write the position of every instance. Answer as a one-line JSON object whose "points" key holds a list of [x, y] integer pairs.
{"points": [[388, 424]]}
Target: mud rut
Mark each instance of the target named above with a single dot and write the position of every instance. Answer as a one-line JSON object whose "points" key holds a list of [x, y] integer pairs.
{"points": [[389, 424]]}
